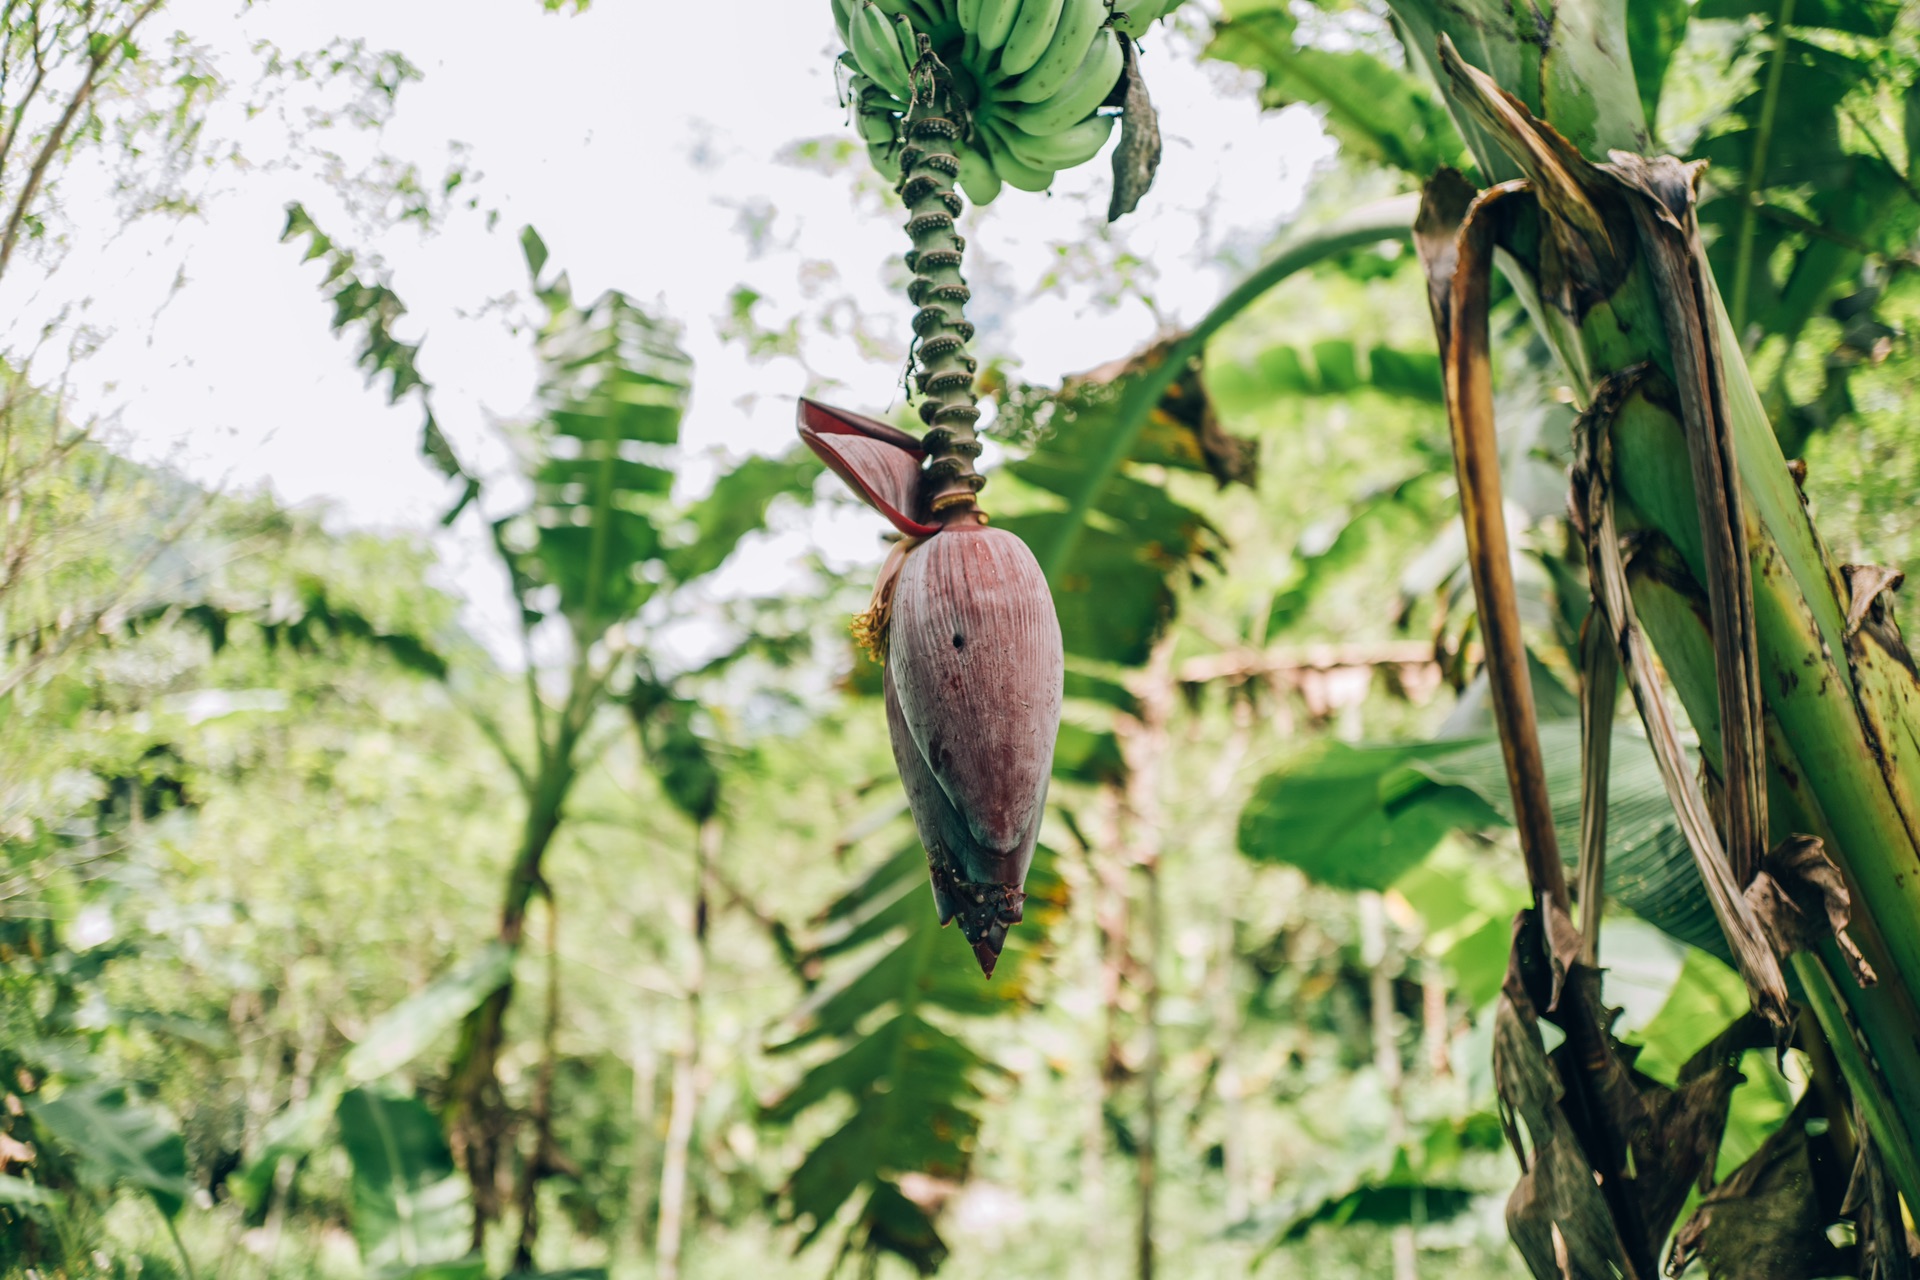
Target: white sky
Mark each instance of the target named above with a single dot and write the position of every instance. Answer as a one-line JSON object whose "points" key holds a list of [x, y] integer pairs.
{"points": [[632, 137]]}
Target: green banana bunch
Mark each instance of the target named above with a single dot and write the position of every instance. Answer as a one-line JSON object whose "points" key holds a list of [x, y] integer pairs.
{"points": [[877, 118], [1034, 73]]}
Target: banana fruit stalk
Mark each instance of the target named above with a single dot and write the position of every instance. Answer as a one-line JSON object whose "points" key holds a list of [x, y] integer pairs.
{"points": [[1032, 77], [974, 675]]}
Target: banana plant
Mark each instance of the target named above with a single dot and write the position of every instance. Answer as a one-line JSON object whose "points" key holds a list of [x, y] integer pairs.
{"points": [[1803, 163], [1779, 656], [1788, 668], [601, 547], [971, 94]]}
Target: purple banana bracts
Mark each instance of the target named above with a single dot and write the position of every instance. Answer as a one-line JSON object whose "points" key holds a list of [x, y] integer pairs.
{"points": [[965, 626]]}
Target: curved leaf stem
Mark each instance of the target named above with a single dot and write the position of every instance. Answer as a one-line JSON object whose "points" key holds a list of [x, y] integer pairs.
{"points": [[1757, 168], [1862, 1076], [1387, 220], [179, 1246]]}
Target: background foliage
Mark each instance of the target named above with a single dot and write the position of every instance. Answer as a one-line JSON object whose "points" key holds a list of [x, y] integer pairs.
{"points": [[260, 793]]}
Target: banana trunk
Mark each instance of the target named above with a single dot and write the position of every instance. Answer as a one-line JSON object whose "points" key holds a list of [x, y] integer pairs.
{"points": [[1835, 688]]}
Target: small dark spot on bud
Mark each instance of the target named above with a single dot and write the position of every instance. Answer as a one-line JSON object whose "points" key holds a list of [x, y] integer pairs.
{"points": [[959, 641]]}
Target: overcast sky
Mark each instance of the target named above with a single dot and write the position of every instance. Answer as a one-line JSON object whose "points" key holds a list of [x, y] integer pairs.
{"points": [[643, 139]]}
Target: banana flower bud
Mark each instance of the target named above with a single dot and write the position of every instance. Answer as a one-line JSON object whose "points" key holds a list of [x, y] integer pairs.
{"points": [[973, 673]]}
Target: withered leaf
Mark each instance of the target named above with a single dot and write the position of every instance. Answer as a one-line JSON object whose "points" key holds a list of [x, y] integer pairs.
{"points": [[1137, 158], [1873, 1204], [1866, 584], [1184, 428], [1801, 897], [1613, 607], [1870, 589], [1662, 193], [1612, 1151], [1768, 1221]]}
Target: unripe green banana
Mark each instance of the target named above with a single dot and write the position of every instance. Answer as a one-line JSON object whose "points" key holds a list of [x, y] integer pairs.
{"points": [[1134, 16], [1088, 87], [996, 24], [886, 160], [1023, 177], [1080, 21], [843, 21], [909, 47], [1029, 123], [877, 49], [871, 99], [1063, 150], [1031, 32], [978, 178], [877, 129]]}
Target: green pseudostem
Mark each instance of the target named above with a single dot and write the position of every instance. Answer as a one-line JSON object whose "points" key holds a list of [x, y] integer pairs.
{"points": [[944, 368]]}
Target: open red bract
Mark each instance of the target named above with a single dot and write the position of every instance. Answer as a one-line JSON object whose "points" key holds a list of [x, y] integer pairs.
{"points": [[879, 462]]}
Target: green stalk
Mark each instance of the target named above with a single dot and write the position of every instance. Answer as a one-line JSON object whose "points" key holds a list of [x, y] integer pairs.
{"points": [[944, 367], [1757, 167], [1883, 1116], [1672, 610], [475, 1085], [1387, 220], [179, 1245]]}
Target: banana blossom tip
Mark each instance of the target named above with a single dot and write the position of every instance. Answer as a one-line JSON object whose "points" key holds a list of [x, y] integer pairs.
{"points": [[973, 675]]}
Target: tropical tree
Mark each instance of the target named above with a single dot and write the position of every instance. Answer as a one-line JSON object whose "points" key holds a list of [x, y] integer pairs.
{"points": [[595, 560]]}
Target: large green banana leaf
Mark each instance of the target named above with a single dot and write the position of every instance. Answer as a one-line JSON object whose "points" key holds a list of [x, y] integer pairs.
{"points": [[410, 1207], [119, 1138], [1361, 817], [917, 1085]]}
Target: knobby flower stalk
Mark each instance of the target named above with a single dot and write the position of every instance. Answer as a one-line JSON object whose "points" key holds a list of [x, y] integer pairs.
{"points": [[944, 367], [973, 673], [962, 619]]}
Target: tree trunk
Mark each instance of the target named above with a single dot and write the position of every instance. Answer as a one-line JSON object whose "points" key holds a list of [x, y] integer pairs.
{"points": [[1112, 931], [477, 1123], [545, 1156], [640, 1185], [1435, 1027], [1149, 1137], [1143, 744], [306, 1061], [1228, 1085], [686, 1072], [1382, 969]]}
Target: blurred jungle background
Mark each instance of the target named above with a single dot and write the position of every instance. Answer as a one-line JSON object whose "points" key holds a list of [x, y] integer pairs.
{"points": [[425, 851]]}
